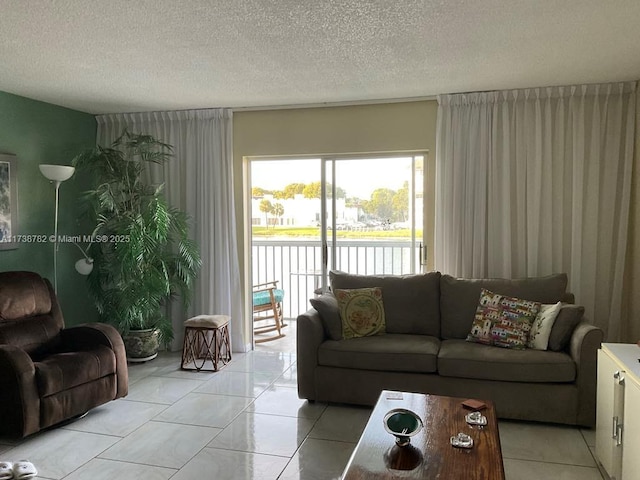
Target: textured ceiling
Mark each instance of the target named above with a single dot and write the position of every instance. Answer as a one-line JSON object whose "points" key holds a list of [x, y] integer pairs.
{"points": [[103, 56]]}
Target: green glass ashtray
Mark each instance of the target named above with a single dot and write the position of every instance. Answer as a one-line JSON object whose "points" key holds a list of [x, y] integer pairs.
{"points": [[402, 424]]}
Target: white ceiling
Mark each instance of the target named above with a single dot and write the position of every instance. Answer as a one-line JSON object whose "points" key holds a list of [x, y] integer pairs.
{"points": [[104, 56]]}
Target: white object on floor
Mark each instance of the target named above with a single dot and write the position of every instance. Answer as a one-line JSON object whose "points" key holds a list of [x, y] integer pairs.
{"points": [[6, 470], [24, 470]]}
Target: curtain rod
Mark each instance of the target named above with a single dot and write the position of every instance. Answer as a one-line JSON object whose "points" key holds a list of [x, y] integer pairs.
{"points": [[334, 104]]}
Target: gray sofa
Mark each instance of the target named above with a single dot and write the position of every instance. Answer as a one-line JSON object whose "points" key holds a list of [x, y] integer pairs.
{"points": [[428, 317]]}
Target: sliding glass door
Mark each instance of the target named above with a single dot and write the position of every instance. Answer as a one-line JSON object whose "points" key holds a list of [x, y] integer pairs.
{"points": [[353, 213], [373, 214]]}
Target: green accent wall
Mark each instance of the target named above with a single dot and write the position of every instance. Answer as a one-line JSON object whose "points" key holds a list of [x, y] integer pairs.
{"points": [[37, 132]]}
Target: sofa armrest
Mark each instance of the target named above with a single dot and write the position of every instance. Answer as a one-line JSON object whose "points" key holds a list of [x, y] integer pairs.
{"points": [[92, 334], [583, 348], [19, 397], [310, 334]]}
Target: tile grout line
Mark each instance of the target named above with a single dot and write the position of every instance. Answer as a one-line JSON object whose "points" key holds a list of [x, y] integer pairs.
{"points": [[304, 440]]}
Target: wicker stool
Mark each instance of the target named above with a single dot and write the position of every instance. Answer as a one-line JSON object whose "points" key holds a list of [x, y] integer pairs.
{"points": [[206, 338]]}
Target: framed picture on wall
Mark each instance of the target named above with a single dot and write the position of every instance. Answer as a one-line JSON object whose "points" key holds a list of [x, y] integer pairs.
{"points": [[8, 202]]}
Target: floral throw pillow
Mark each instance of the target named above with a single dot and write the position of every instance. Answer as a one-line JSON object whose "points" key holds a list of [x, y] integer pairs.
{"points": [[503, 321], [361, 311]]}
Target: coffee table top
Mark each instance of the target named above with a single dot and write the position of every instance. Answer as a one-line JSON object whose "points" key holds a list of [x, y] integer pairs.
{"points": [[430, 454]]}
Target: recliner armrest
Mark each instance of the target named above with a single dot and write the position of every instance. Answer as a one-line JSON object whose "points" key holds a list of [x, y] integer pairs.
{"points": [[92, 334], [19, 397]]}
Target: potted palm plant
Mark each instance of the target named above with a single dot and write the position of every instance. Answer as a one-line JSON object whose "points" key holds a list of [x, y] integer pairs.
{"points": [[141, 252]]}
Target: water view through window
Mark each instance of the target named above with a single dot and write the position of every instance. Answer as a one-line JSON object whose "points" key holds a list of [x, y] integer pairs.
{"points": [[365, 214]]}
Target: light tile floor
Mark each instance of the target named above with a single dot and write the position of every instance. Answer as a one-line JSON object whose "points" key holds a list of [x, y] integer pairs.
{"points": [[247, 422]]}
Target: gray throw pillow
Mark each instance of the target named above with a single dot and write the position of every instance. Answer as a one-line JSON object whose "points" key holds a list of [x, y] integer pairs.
{"points": [[566, 322], [327, 307]]}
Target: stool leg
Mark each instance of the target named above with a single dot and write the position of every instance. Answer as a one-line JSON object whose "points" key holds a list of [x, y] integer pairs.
{"points": [[223, 351], [216, 352], [227, 343], [184, 350], [188, 347]]}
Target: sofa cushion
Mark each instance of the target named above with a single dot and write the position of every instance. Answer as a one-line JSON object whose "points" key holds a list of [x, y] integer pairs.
{"points": [[361, 312], [411, 302], [502, 321], [461, 359], [391, 352], [329, 311], [63, 371], [459, 297], [567, 320]]}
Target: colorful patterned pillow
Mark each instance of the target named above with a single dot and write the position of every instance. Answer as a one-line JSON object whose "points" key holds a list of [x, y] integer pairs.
{"points": [[542, 325], [503, 321], [361, 311]]}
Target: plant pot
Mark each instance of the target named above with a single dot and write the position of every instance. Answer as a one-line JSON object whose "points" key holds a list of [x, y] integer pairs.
{"points": [[141, 345]]}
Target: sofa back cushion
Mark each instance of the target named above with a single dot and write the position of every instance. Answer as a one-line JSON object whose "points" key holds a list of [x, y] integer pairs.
{"points": [[411, 302], [23, 295], [459, 297]]}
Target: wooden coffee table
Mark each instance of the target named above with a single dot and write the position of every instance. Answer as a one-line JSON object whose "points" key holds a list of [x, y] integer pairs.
{"points": [[430, 454]]}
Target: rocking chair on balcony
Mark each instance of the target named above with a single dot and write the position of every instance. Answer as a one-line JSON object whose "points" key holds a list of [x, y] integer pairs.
{"points": [[267, 305]]}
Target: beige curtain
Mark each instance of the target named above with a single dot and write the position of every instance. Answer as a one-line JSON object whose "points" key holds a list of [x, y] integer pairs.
{"points": [[199, 181], [536, 181]]}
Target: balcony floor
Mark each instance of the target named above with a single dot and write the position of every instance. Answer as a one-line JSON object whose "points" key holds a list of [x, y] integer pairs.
{"points": [[284, 344]]}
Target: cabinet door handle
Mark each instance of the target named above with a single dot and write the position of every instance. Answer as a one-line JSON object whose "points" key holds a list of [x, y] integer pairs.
{"points": [[619, 435], [614, 433]]}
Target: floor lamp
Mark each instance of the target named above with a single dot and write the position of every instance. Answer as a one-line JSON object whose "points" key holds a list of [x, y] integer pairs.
{"points": [[56, 174]]}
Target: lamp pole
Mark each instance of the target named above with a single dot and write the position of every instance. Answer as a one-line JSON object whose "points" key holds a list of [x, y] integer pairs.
{"points": [[55, 240], [57, 174]]}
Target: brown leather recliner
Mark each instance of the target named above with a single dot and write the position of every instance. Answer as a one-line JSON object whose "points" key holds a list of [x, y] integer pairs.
{"points": [[48, 373]]}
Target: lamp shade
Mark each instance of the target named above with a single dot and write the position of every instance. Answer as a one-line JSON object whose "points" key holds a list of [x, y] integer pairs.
{"points": [[84, 266], [57, 173]]}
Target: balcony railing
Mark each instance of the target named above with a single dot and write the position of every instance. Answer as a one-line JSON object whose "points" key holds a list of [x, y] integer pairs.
{"points": [[297, 265]]}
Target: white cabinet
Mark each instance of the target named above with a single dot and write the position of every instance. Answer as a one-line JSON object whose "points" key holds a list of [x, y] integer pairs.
{"points": [[609, 415], [618, 410], [631, 462]]}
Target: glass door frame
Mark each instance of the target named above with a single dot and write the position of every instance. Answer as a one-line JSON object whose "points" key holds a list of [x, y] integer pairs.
{"points": [[332, 159]]}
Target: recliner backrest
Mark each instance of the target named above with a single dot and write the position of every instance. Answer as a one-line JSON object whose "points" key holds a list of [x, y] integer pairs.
{"points": [[30, 317]]}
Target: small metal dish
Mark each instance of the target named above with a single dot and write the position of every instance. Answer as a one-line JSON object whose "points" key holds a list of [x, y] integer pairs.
{"points": [[462, 440], [476, 418]]}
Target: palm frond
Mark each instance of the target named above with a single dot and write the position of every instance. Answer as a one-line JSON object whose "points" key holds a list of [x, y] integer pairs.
{"points": [[147, 257]]}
